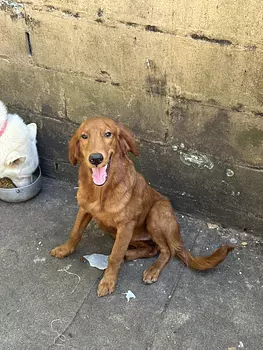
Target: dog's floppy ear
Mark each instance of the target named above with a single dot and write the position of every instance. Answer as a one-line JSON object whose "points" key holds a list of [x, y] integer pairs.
{"points": [[14, 158], [127, 140], [74, 149]]}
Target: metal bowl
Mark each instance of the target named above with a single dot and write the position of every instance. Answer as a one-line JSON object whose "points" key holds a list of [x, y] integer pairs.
{"points": [[21, 194]]}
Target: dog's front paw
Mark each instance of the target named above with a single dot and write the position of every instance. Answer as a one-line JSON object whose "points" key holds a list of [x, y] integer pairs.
{"points": [[62, 250], [106, 286]]}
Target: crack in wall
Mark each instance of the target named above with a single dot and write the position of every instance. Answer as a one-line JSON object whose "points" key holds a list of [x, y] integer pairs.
{"points": [[18, 11], [202, 37]]}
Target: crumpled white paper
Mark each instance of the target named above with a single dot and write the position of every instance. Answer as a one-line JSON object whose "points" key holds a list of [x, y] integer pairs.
{"points": [[129, 295], [99, 261]]}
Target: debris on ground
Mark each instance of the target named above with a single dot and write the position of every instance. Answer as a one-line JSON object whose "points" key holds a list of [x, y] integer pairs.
{"points": [[100, 261], [129, 295], [65, 269], [212, 226], [38, 259], [60, 336]]}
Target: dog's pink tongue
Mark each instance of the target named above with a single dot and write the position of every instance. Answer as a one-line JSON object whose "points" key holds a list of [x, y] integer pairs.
{"points": [[99, 175]]}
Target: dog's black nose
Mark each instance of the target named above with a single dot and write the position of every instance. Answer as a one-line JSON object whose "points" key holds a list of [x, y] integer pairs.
{"points": [[96, 158]]}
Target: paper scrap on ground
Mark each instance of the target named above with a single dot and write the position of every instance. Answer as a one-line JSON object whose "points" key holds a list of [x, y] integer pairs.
{"points": [[212, 226], [37, 259], [99, 261], [129, 295]]}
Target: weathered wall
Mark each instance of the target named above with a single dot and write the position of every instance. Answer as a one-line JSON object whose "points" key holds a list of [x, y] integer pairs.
{"points": [[187, 77]]}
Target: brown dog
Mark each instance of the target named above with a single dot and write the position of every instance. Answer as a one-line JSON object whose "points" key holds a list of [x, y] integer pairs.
{"points": [[119, 199]]}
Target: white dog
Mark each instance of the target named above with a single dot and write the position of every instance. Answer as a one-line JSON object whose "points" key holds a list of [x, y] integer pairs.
{"points": [[18, 151]]}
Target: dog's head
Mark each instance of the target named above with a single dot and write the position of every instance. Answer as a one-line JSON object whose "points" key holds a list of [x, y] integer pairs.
{"points": [[97, 142], [18, 152]]}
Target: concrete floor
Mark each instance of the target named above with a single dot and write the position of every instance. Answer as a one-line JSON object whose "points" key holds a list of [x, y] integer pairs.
{"points": [[48, 303]]}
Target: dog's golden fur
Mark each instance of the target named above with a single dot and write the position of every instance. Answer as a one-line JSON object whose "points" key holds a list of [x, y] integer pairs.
{"points": [[140, 219]]}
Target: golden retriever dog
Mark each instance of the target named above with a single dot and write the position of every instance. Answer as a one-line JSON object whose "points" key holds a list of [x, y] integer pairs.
{"points": [[118, 198]]}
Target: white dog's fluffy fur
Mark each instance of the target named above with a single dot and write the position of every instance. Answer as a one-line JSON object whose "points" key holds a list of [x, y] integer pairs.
{"points": [[18, 151]]}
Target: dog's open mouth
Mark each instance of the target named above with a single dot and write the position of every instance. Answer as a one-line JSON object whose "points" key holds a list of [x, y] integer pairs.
{"points": [[99, 175]]}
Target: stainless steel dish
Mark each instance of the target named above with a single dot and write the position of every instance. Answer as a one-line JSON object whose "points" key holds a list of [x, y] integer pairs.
{"points": [[21, 194]]}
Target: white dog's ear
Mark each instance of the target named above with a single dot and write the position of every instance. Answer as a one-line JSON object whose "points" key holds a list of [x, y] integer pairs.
{"points": [[32, 128], [14, 159]]}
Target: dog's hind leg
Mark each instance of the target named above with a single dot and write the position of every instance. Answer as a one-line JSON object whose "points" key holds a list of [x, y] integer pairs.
{"points": [[142, 249], [82, 220], [158, 222], [165, 232]]}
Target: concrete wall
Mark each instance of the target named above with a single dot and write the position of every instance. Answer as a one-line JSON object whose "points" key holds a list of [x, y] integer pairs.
{"points": [[187, 77]]}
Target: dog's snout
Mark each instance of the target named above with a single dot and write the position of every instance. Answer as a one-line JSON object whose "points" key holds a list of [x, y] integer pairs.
{"points": [[96, 158]]}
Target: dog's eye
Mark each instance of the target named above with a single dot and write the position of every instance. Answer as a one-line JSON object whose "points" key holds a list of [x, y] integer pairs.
{"points": [[108, 134], [84, 136]]}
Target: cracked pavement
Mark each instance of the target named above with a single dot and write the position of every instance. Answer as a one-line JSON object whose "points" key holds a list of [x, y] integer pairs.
{"points": [[47, 303]]}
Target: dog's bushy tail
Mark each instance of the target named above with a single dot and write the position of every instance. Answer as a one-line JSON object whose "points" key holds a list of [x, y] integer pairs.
{"points": [[201, 262]]}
